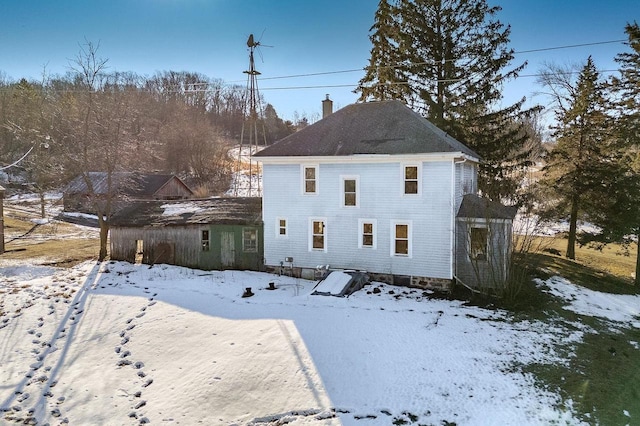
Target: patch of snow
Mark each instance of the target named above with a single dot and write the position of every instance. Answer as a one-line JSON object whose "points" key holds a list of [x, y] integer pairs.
{"points": [[613, 307], [180, 208], [119, 342]]}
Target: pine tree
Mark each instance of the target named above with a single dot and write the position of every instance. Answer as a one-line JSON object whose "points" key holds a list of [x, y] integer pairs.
{"points": [[453, 56], [579, 163], [385, 78], [615, 208]]}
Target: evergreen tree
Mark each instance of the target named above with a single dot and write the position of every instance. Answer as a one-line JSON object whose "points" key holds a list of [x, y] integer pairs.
{"points": [[453, 56], [615, 208], [385, 79], [580, 161]]}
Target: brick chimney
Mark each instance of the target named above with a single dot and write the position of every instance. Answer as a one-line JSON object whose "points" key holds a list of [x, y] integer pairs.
{"points": [[327, 107]]}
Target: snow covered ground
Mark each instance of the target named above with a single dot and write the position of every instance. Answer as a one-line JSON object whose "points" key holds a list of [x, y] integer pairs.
{"points": [[116, 343]]}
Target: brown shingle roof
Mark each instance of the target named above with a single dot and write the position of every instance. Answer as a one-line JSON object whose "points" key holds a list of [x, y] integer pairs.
{"points": [[221, 211], [386, 127]]}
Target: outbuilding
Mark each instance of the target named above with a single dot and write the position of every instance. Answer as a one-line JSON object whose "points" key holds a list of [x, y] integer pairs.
{"points": [[218, 233]]}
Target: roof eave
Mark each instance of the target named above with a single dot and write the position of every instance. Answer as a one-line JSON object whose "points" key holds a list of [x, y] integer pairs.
{"points": [[369, 158]]}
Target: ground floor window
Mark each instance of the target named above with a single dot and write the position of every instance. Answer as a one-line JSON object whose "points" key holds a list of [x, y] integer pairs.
{"points": [[478, 243], [367, 233], [281, 227], [318, 235], [250, 240], [401, 239], [205, 240]]}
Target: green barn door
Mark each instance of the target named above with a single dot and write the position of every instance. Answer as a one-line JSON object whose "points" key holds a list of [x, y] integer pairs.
{"points": [[227, 249]]}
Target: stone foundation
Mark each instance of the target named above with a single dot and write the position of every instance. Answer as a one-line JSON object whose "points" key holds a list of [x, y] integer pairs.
{"points": [[425, 283]]}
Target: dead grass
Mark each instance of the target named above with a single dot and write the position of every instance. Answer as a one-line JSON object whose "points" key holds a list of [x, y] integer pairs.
{"points": [[56, 243], [611, 269]]}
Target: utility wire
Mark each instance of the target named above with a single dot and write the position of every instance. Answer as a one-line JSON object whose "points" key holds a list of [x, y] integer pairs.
{"points": [[544, 49], [195, 87]]}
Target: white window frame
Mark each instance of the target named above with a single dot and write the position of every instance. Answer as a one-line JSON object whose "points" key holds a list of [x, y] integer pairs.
{"points": [[374, 224], [476, 225], [418, 167], [343, 193], [303, 174], [392, 248], [250, 249], [324, 234], [279, 227]]}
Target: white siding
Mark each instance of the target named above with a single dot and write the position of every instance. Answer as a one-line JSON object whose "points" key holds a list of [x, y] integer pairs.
{"points": [[380, 197], [466, 181]]}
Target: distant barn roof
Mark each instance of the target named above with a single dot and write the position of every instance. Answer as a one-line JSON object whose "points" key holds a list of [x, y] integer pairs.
{"points": [[476, 207], [386, 127], [221, 211], [128, 183]]}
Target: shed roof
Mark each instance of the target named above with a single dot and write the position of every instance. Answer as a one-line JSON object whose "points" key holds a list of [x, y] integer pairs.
{"points": [[385, 127], [221, 211], [128, 183], [476, 207]]}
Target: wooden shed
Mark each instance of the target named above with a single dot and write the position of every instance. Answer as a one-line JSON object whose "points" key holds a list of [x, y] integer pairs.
{"points": [[124, 186], [218, 233], [483, 242]]}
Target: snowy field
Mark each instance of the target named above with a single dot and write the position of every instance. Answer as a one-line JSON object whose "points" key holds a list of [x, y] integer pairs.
{"points": [[122, 344]]}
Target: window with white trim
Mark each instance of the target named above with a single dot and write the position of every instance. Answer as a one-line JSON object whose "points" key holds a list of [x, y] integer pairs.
{"points": [[349, 191], [401, 238], [310, 179], [367, 233], [411, 176], [478, 242], [281, 227], [250, 240], [317, 235]]}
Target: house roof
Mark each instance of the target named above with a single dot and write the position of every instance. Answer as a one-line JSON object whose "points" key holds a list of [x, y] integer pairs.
{"points": [[128, 183], [476, 207], [221, 211], [386, 127]]}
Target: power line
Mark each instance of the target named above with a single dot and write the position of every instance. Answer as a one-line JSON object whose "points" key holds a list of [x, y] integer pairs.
{"points": [[544, 49], [195, 87]]}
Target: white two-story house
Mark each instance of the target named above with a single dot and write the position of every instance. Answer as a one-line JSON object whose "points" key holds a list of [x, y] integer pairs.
{"points": [[376, 187]]}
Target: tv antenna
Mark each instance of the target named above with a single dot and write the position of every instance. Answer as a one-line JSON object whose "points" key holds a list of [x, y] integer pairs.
{"points": [[252, 115]]}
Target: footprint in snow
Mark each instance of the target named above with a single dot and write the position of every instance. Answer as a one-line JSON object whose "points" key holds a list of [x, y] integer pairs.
{"points": [[140, 315]]}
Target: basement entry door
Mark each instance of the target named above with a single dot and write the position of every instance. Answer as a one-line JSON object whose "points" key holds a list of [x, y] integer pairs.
{"points": [[227, 249]]}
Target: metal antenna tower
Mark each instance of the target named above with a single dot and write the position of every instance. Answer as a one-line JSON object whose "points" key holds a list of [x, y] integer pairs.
{"points": [[252, 116]]}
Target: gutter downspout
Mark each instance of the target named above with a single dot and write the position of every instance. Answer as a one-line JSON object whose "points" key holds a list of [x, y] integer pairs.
{"points": [[454, 236]]}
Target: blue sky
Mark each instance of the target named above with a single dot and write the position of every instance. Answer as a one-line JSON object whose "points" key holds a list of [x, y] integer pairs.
{"points": [[209, 37]]}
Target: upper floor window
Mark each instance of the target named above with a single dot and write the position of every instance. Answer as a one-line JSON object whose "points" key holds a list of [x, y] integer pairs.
{"points": [[250, 240], [411, 179], [310, 179], [349, 191]]}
